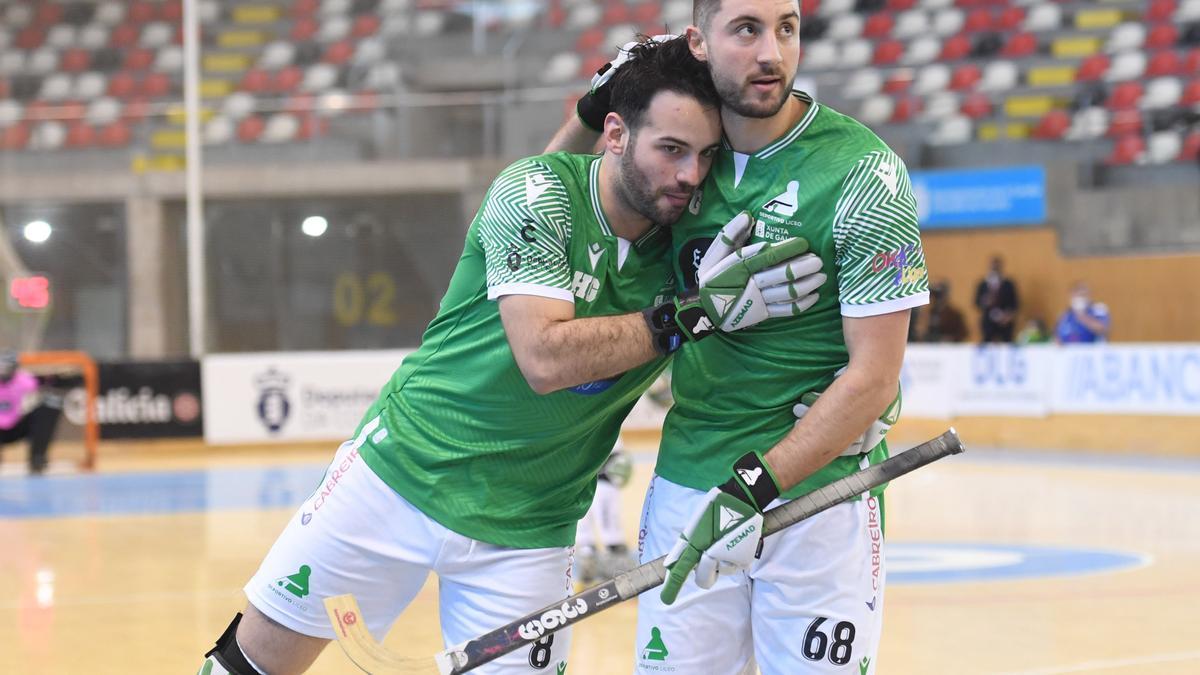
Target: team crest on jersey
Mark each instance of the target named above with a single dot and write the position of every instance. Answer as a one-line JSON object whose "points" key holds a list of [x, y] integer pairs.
{"points": [[689, 260], [785, 204]]}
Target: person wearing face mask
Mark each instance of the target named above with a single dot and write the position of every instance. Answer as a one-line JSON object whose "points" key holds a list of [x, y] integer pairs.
{"points": [[996, 298], [1084, 320], [940, 321]]}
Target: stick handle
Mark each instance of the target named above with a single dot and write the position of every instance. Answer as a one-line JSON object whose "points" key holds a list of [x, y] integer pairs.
{"points": [[532, 627]]}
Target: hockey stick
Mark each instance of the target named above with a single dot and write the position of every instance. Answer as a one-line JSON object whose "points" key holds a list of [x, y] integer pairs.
{"points": [[530, 628]]}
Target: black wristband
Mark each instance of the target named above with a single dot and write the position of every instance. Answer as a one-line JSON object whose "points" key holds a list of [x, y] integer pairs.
{"points": [[752, 482], [665, 335]]}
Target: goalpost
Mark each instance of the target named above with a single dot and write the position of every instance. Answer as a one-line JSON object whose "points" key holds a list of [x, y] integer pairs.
{"points": [[71, 365]]}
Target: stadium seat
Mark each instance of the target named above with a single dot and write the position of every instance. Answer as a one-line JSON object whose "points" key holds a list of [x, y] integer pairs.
{"points": [[1191, 93], [1162, 36], [951, 130], [1053, 125], [820, 55], [1164, 63], [1046, 16], [978, 20], [12, 62], [1188, 10], [319, 77], [845, 26], [276, 55], [1124, 123], [955, 48], [1093, 68], [976, 106], [1129, 35], [47, 13], [155, 85], [1125, 95], [1191, 63], [109, 12], [61, 36], [334, 28], [80, 135], [339, 52], [218, 130], [238, 105], [369, 51], [948, 21], [856, 53], [93, 36], [1159, 10], [965, 77], [89, 86], [932, 78], [1028, 106], [303, 29], [169, 59], [898, 81], [18, 15], [835, 7], [48, 135], [1163, 147], [1020, 45], [1010, 18], [1126, 150], [280, 128], [878, 25], [1190, 152], [900, 5], [888, 52], [906, 107], [1050, 76], [75, 60], [287, 79], [1126, 66], [11, 112], [114, 135], [876, 109], [910, 24], [42, 61], [863, 83], [922, 50], [156, 34], [999, 76], [102, 111], [384, 76], [56, 87], [1091, 19]]}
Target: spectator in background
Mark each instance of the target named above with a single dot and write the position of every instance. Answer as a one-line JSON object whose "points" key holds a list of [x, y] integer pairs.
{"points": [[996, 298], [940, 321], [1084, 320], [20, 392], [1034, 333]]}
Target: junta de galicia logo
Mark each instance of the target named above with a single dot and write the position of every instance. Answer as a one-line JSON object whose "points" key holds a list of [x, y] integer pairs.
{"points": [[273, 404]]}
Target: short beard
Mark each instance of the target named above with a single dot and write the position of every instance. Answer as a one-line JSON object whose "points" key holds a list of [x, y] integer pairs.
{"points": [[730, 93], [634, 187]]}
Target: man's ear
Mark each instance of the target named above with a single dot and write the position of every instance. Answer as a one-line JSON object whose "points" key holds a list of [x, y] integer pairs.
{"points": [[615, 134], [696, 43]]}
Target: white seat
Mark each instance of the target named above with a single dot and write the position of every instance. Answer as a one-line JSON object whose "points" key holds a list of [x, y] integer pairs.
{"points": [[429, 23], [1126, 66], [90, 85], [42, 61], [1163, 147], [11, 112], [18, 15], [845, 26], [12, 62], [169, 59], [56, 87], [368, 51], [935, 4], [93, 36], [1088, 124], [1129, 35], [334, 7], [952, 130], [104, 110], [1162, 92], [156, 34], [319, 77], [584, 17], [863, 83], [856, 53], [677, 13], [280, 128], [948, 21], [921, 51], [932, 78], [109, 13], [389, 7], [383, 76], [208, 11], [238, 105], [396, 25], [276, 55], [218, 130], [1188, 10], [940, 105], [998, 76], [835, 7], [563, 67], [820, 55], [910, 23], [620, 34], [876, 109], [5, 39], [62, 35], [333, 103], [334, 28], [1043, 17], [48, 136]]}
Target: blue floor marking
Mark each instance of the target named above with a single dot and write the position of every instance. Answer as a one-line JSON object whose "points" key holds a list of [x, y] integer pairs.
{"points": [[935, 563]]}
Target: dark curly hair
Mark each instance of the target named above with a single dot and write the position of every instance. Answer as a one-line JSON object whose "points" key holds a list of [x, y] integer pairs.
{"points": [[659, 66]]}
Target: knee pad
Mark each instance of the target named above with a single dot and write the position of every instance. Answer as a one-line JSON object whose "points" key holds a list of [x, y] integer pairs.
{"points": [[227, 658]]}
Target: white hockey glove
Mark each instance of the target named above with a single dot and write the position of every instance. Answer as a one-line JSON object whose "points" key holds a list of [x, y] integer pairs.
{"points": [[874, 434], [595, 105]]}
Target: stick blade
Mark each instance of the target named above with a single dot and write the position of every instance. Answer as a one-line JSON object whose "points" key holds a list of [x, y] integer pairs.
{"points": [[358, 644]]}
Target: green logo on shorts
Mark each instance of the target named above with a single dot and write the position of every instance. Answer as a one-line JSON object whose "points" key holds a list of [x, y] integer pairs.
{"points": [[655, 649], [863, 665], [296, 584]]}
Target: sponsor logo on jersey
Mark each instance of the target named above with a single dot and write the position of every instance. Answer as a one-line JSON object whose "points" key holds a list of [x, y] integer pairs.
{"points": [[786, 203], [536, 185], [514, 260], [585, 286], [594, 252], [554, 618], [528, 229], [595, 387], [296, 584], [901, 262], [274, 407], [656, 648], [875, 532], [334, 478], [694, 204]]}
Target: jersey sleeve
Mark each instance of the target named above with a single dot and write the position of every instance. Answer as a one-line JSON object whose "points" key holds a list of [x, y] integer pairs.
{"points": [[524, 230], [880, 262]]}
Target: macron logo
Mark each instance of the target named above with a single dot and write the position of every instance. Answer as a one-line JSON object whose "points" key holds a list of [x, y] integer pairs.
{"points": [[751, 477], [886, 173], [594, 253], [536, 186]]}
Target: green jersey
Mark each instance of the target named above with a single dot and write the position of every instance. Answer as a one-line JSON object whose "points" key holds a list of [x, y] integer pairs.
{"points": [[467, 441], [832, 181]]}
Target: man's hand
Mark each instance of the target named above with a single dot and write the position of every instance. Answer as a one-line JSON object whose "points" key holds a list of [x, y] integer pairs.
{"points": [[595, 105], [726, 530], [874, 434]]}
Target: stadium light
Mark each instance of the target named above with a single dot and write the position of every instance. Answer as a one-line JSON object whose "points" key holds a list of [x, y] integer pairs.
{"points": [[38, 231], [314, 226]]}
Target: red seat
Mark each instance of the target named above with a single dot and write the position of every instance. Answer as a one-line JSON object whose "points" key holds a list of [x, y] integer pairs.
{"points": [[590, 65], [365, 101], [1127, 150], [287, 79], [303, 29], [955, 48], [1053, 125], [556, 16], [901, 5], [250, 128], [589, 41], [339, 52], [139, 59], [14, 137], [1191, 93], [1020, 45], [888, 52], [114, 135], [616, 12], [365, 25], [48, 13], [905, 108], [304, 7], [809, 7], [1161, 36], [1010, 18], [1191, 147], [1159, 10], [1191, 62], [978, 20], [121, 85], [125, 35], [30, 38], [135, 109], [75, 60], [966, 77], [1092, 68], [878, 25], [898, 81], [300, 103], [141, 12], [1125, 123], [80, 135], [977, 106], [171, 11], [255, 80], [155, 85], [1125, 95], [647, 12], [1164, 63]]}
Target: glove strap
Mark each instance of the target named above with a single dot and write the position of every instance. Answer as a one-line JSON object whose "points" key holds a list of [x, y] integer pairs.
{"points": [[676, 321], [752, 481]]}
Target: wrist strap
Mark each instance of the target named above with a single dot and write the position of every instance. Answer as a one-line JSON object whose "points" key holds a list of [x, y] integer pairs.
{"points": [[752, 481], [676, 321]]}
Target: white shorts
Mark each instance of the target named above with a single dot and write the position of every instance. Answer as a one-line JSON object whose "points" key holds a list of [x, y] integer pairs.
{"points": [[357, 535], [813, 604]]}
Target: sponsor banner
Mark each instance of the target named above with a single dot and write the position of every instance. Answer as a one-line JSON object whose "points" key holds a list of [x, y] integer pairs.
{"points": [[1135, 379], [289, 396], [143, 399], [1004, 380], [927, 380], [980, 197]]}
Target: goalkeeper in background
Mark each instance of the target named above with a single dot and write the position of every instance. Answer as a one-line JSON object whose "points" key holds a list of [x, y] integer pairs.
{"points": [[26, 412]]}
